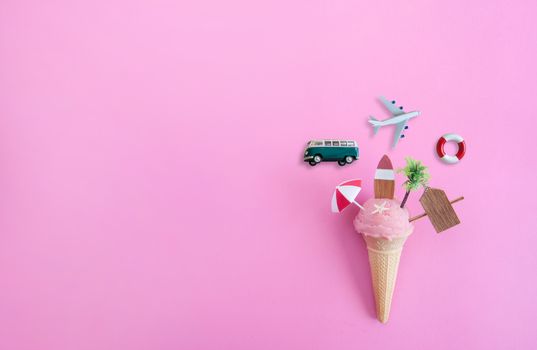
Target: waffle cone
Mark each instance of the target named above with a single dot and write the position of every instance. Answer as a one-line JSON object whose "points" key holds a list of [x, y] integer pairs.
{"points": [[384, 258]]}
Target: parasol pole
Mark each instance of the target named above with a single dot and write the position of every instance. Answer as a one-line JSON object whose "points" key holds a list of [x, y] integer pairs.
{"points": [[358, 204]]}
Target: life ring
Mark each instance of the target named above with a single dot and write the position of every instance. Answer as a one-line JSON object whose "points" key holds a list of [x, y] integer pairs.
{"points": [[448, 158]]}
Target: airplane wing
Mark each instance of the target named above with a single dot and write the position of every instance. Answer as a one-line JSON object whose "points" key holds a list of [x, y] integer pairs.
{"points": [[399, 132], [390, 105]]}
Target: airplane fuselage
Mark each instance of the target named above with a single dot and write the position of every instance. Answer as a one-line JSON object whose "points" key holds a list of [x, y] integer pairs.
{"points": [[398, 119]]}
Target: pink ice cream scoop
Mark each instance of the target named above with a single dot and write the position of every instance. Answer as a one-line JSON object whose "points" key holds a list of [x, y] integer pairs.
{"points": [[383, 218]]}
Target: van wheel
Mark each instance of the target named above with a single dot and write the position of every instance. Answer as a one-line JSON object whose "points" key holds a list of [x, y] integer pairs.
{"points": [[348, 159], [317, 158], [312, 163], [341, 162]]}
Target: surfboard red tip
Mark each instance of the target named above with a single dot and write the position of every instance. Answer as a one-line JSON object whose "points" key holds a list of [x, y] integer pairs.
{"points": [[385, 163]]}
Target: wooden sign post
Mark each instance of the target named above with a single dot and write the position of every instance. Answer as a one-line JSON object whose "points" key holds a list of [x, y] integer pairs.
{"points": [[439, 209]]}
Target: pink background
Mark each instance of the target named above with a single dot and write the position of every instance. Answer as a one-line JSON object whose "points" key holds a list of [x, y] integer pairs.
{"points": [[152, 193]]}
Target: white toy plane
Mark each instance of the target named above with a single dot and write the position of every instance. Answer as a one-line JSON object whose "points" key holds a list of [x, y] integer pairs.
{"points": [[399, 119]]}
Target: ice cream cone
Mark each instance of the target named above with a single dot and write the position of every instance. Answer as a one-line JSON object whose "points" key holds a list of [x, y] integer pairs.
{"points": [[384, 255]]}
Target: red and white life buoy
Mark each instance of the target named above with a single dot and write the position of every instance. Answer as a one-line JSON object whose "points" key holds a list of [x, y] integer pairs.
{"points": [[448, 158]]}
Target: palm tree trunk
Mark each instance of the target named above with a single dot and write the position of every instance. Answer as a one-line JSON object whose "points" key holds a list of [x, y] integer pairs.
{"points": [[405, 199]]}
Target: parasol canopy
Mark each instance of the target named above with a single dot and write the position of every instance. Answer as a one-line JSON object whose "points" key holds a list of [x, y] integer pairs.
{"points": [[345, 194]]}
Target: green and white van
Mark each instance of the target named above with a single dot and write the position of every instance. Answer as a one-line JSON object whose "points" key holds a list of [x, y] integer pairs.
{"points": [[342, 151]]}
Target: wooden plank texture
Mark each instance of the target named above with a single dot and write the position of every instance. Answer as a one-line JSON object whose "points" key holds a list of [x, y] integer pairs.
{"points": [[425, 214], [440, 211], [384, 189]]}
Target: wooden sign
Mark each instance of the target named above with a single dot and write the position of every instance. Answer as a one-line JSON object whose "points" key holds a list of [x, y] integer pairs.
{"points": [[439, 210], [384, 179]]}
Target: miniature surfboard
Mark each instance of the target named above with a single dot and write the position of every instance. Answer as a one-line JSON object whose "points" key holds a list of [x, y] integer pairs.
{"points": [[439, 210], [384, 179]]}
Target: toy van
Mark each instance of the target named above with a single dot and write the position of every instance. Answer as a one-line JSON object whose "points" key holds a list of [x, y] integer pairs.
{"points": [[341, 151]]}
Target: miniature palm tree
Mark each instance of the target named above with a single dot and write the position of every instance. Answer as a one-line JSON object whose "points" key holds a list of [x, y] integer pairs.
{"points": [[417, 176]]}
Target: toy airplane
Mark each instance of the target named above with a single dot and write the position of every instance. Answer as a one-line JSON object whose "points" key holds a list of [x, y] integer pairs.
{"points": [[399, 119]]}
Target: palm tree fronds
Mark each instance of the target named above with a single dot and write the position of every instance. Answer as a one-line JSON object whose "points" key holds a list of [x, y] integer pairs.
{"points": [[417, 176]]}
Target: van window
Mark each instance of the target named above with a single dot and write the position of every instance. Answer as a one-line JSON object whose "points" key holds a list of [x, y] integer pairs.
{"points": [[335, 143], [328, 143], [343, 143]]}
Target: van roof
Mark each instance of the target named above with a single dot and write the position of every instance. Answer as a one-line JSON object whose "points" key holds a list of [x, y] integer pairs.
{"points": [[322, 140]]}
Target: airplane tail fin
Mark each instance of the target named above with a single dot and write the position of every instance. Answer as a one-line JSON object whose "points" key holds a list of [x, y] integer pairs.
{"points": [[375, 123]]}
